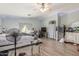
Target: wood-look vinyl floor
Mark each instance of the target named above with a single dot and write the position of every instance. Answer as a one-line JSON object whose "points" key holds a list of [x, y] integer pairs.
{"points": [[50, 47], [55, 48]]}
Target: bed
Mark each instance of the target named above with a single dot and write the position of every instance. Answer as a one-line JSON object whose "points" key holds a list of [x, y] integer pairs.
{"points": [[24, 41]]}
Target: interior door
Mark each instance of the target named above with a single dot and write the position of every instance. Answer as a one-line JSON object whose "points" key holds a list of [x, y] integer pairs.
{"points": [[52, 30]]}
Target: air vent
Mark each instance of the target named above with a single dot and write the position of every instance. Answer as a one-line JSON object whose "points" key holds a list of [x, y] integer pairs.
{"points": [[28, 14]]}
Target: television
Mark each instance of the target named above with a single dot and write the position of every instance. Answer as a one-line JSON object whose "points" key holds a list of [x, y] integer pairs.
{"points": [[43, 29]]}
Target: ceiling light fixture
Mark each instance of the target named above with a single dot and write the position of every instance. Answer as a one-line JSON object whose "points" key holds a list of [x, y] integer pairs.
{"points": [[44, 7]]}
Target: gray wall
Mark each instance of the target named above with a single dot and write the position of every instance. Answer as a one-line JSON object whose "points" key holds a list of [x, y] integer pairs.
{"points": [[49, 18], [69, 18], [73, 17], [13, 22]]}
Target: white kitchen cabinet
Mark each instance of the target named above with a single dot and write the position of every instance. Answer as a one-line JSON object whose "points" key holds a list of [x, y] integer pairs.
{"points": [[72, 37]]}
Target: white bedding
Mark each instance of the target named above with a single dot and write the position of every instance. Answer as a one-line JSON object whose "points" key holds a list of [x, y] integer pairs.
{"points": [[25, 40], [4, 41]]}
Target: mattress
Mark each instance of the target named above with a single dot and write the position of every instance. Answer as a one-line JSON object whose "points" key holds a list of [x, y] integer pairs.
{"points": [[25, 40]]}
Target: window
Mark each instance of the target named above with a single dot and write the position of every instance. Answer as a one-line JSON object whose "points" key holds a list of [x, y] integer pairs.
{"points": [[25, 27]]}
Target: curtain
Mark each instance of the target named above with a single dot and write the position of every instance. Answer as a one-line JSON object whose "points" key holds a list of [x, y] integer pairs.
{"points": [[26, 27]]}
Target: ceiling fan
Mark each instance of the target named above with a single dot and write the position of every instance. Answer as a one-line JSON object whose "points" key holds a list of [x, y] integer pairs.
{"points": [[44, 6]]}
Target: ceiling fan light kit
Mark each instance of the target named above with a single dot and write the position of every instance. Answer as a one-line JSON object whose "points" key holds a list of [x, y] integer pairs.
{"points": [[44, 7]]}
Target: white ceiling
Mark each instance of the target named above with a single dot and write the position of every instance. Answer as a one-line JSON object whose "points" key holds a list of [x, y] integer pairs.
{"points": [[32, 9]]}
